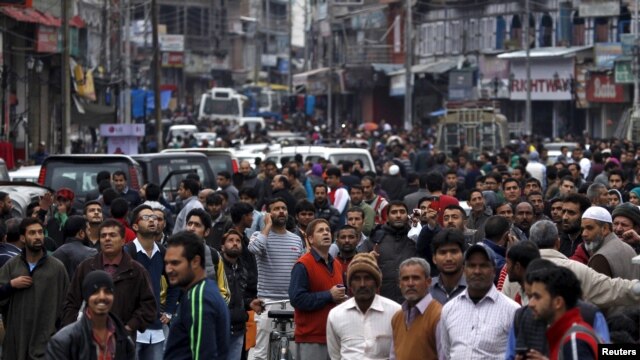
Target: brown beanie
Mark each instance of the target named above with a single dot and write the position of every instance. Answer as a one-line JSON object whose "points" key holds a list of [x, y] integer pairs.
{"points": [[365, 262]]}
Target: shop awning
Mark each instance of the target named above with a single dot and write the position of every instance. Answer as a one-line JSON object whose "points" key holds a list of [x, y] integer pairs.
{"points": [[438, 67], [301, 78], [34, 16], [545, 52], [386, 68]]}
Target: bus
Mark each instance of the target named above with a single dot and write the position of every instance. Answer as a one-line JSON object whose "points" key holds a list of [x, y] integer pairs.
{"points": [[221, 104]]}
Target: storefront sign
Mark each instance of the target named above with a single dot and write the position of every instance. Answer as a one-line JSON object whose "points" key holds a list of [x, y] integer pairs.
{"points": [[47, 39], [551, 79], [461, 85], [601, 88], [171, 43], [172, 59], [623, 72], [606, 53]]}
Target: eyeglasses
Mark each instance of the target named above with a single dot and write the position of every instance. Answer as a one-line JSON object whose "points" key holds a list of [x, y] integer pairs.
{"points": [[149, 217]]}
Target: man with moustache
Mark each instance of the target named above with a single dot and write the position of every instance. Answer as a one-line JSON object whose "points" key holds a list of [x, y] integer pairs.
{"points": [[415, 326], [305, 212], [554, 295], [357, 201], [391, 245], [346, 241], [361, 326], [316, 286], [324, 209], [243, 289], [134, 302], [201, 327], [32, 288], [573, 206], [448, 256], [476, 323], [276, 251], [94, 216], [626, 224], [524, 217], [84, 338]]}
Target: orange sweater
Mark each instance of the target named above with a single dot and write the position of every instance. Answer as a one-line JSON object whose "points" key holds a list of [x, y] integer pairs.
{"points": [[311, 326]]}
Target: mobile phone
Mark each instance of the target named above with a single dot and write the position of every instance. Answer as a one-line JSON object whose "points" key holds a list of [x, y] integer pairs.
{"points": [[522, 351]]}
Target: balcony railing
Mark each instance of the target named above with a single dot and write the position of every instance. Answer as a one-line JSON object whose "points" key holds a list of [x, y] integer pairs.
{"points": [[272, 25]]}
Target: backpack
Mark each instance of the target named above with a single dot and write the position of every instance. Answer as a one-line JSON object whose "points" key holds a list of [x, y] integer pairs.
{"points": [[575, 328]]}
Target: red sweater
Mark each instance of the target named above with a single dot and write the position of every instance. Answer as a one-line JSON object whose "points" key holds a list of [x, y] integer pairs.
{"points": [[558, 330], [311, 326]]}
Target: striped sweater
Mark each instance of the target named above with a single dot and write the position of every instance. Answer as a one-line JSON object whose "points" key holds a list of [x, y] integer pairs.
{"points": [[275, 257], [200, 330]]}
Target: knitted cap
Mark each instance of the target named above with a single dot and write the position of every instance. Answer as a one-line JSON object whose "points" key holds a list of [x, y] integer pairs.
{"points": [[65, 193], [365, 262], [629, 211], [94, 281], [597, 213]]}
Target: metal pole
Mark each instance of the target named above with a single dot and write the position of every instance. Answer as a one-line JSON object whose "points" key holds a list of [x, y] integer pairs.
{"points": [[306, 35], [330, 63], [636, 82], [157, 68], [66, 78], [527, 111], [290, 26], [127, 63], [408, 42], [268, 40]]}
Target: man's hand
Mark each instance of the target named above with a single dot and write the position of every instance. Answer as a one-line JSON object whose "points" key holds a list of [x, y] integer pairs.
{"points": [[257, 305], [535, 355], [375, 252], [21, 282], [165, 318], [432, 217], [337, 294], [631, 237], [46, 201]]}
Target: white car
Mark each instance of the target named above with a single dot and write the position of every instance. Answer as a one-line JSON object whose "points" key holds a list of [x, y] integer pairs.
{"points": [[26, 173]]}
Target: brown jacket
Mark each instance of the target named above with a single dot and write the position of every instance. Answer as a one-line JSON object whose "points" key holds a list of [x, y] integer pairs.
{"points": [[133, 301]]}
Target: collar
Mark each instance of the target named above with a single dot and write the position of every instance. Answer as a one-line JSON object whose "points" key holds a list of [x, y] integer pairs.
{"points": [[319, 258], [462, 282], [139, 248], [552, 254], [558, 328], [11, 246], [376, 305], [115, 261], [125, 190], [499, 250], [492, 295], [421, 305]]}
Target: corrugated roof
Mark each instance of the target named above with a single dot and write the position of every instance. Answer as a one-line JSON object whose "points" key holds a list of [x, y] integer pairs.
{"points": [[561, 51]]}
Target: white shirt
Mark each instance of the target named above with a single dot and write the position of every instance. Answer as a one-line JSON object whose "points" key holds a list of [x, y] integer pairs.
{"points": [[149, 336], [354, 335], [477, 331]]}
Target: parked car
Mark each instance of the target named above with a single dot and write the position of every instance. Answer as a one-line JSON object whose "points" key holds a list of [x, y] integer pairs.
{"points": [[553, 150], [313, 153], [78, 172], [220, 159], [23, 193], [26, 173], [168, 169], [4, 173]]}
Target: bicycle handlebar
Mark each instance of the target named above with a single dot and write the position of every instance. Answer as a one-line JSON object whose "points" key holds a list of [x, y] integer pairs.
{"points": [[275, 302]]}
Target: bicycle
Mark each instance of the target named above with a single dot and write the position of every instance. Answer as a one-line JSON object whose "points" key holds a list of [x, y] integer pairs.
{"points": [[280, 338]]}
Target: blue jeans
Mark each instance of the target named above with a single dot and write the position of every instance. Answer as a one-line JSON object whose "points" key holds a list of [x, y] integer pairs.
{"points": [[235, 346], [150, 351]]}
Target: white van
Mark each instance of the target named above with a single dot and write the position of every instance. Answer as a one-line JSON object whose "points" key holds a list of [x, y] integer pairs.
{"points": [[313, 153], [183, 131]]}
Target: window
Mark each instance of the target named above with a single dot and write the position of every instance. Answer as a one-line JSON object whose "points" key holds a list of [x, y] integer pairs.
{"points": [[516, 31], [546, 30], [601, 33], [578, 30]]}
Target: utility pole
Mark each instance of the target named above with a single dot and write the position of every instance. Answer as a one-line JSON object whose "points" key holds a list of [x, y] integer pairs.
{"points": [[330, 63], [306, 35], [267, 41], [156, 66], [408, 56], [290, 26], [66, 78], [636, 82], [527, 110], [127, 64]]}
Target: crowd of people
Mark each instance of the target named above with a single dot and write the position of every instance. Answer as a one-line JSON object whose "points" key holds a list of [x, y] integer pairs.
{"points": [[384, 264]]}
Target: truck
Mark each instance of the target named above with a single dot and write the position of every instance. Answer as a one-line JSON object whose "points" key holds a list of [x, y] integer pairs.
{"points": [[478, 126], [221, 104]]}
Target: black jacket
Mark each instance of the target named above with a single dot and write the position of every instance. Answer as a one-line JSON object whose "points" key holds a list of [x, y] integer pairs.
{"points": [[75, 342], [238, 277], [72, 253]]}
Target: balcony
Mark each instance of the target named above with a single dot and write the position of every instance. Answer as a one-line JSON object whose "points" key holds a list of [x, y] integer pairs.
{"points": [[364, 55], [271, 25]]}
